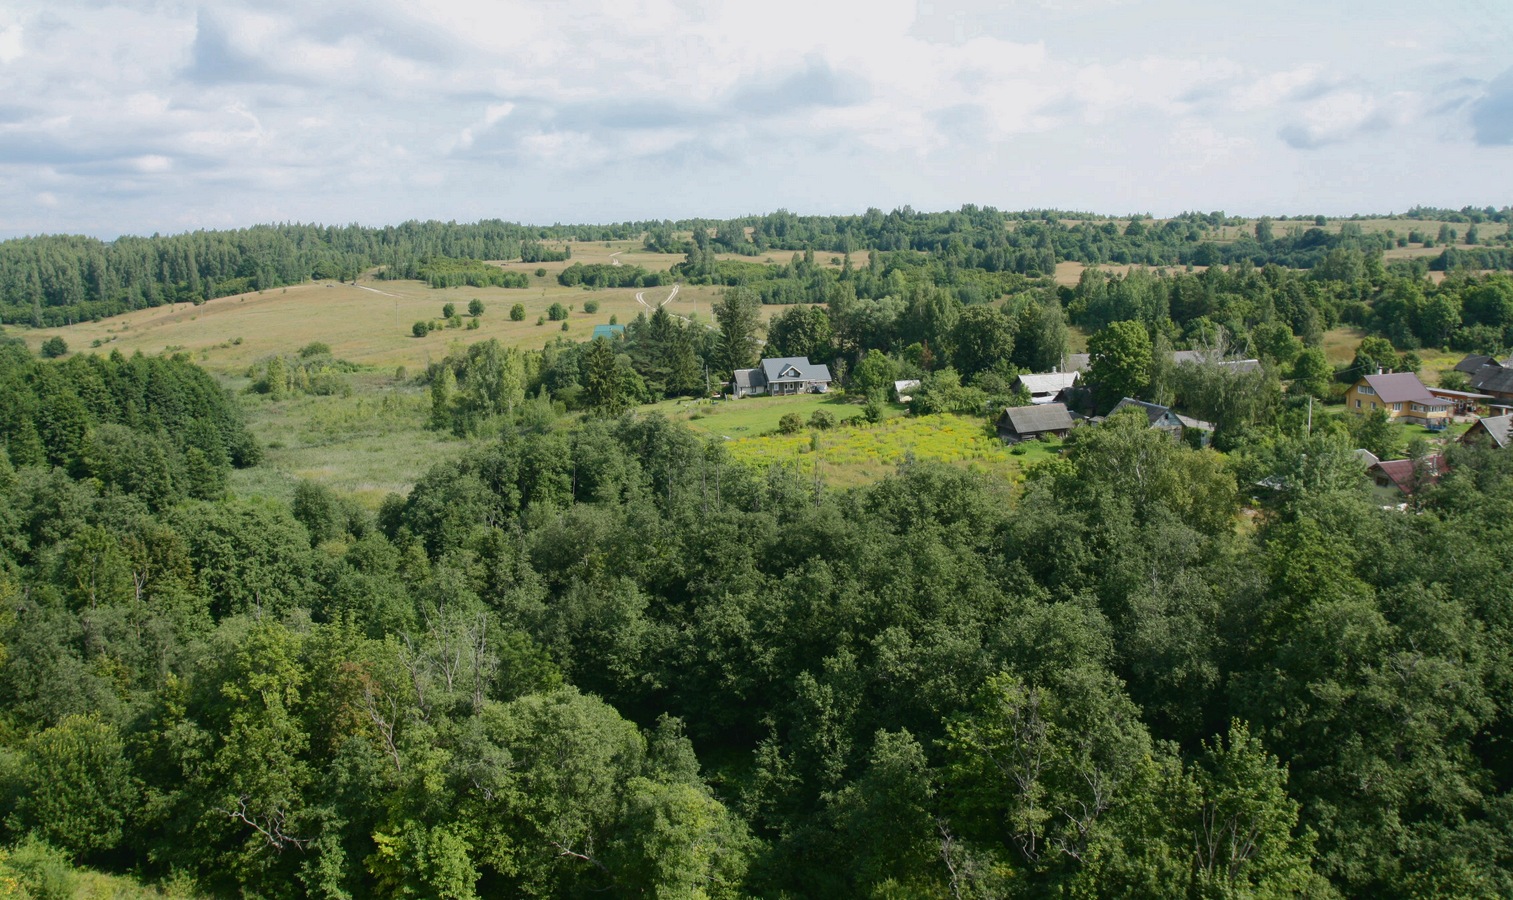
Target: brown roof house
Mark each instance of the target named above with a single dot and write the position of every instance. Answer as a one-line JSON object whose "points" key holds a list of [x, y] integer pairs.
{"points": [[1399, 478], [1403, 397], [1023, 423]]}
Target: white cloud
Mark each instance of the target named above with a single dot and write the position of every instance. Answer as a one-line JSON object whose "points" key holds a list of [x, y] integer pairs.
{"points": [[177, 115], [11, 47]]}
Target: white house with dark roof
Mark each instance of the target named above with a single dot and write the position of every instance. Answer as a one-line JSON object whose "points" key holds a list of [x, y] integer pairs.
{"points": [[784, 375]]}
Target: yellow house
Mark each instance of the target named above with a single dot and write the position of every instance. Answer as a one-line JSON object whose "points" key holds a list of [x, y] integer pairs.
{"points": [[1403, 396]]}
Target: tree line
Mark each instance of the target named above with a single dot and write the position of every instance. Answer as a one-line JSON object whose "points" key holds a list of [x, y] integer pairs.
{"points": [[54, 280]]}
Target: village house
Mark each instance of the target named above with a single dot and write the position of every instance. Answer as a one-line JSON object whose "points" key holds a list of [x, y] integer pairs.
{"points": [[1163, 418], [1402, 396], [785, 375], [1496, 431], [1496, 381], [1395, 479], [1023, 423], [1045, 387]]}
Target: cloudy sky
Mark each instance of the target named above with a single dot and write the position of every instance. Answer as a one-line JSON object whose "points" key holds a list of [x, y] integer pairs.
{"points": [[167, 116]]}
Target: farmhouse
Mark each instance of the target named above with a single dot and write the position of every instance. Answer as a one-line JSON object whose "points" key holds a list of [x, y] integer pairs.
{"points": [[1496, 431], [1405, 476], [1023, 423], [1495, 380], [785, 375], [1044, 387], [1163, 418], [1403, 397], [1475, 361], [1198, 357]]}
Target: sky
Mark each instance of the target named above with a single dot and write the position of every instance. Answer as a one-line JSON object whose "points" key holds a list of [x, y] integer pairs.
{"points": [[167, 116]]}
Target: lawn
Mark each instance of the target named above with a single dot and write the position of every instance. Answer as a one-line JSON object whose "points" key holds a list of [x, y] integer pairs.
{"points": [[752, 416], [851, 455]]}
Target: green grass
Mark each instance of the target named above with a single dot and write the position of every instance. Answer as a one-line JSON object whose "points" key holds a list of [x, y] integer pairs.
{"points": [[367, 445], [858, 454], [753, 416]]}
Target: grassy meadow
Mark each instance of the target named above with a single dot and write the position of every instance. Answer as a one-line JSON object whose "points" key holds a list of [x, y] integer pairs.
{"points": [[851, 455], [368, 445]]}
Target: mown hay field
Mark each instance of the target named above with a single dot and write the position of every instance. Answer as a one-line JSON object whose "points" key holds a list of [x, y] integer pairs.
{"points": [[371, 322]]}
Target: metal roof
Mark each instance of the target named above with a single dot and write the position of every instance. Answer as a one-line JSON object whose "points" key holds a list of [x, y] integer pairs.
{"points": [[1402, 387], [794, 368], [1037, 419]]}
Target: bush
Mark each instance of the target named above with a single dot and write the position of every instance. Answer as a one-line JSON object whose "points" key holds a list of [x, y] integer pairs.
{"points": [[54, 347], [420, 329], [591, 306], [314, 348], [517, 312], [448, 310], [556, 312], [42, 870], [822, 419], [791, 423], [475, 307], [541, 273]]}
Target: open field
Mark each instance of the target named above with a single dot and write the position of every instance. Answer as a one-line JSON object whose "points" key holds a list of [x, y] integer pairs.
{"points": [[367, 445], [1340, 344], [370, 322], [851, 455]]}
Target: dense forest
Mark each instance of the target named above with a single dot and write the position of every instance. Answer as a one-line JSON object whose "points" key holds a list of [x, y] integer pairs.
{"points": [[594, 656]]}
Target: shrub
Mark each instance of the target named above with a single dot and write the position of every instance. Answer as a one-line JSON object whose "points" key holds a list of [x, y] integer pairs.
{"points": [[791, 423], [314, 348], [556, 312], [420, 329], [541, 320], [822, 419], [564, 325], [517, 312], [54, 347], [541, 273], [590, 306], [448, 310], [475, 307]]}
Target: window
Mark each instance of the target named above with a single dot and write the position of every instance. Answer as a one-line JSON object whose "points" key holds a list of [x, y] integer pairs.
{"points": [[1397, 407], [1357, 404], [1366, 389]]}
